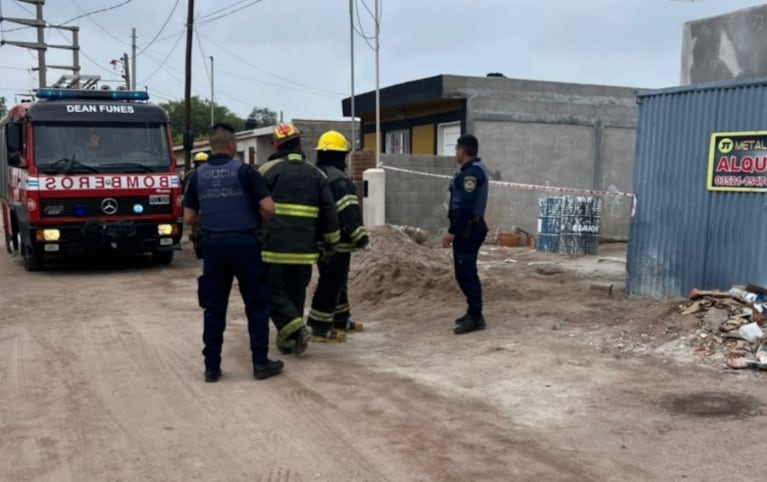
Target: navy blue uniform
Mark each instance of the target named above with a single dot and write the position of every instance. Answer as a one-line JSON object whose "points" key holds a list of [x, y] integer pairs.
{"points": [[468, 200], [226, 193]]}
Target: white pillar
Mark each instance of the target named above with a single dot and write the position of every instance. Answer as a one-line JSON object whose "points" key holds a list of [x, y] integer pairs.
{"points": [[374, 199]]}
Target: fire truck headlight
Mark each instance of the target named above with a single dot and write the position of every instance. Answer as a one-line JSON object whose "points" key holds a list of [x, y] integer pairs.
{"points": [[48, 235], [166, 229]]}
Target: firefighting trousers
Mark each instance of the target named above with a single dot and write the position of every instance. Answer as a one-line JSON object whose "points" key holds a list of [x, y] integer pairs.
{"points": [[465, 251], [343, 312], [225, 259], [333, 276], [287, 296]]}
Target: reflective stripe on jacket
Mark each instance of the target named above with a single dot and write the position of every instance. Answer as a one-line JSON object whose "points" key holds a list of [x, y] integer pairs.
{"points": [[305, 212]]}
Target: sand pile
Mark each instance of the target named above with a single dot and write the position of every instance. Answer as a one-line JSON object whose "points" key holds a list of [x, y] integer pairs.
{"points": [[401, 264]]}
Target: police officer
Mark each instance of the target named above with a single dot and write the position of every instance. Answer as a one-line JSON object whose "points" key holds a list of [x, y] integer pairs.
{"points": [[304, 214], [230, 201], [329, 317], [467, 231]]}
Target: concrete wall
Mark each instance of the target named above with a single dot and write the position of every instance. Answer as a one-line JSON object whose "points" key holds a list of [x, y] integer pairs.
{"points": [[418, 200], [556, 134], [726, 47]]}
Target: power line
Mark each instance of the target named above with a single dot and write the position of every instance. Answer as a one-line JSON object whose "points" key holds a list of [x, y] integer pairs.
{"points": [[213, 19], [218, 11], [282, 86], [162, 64], [283, 79], [88, 14], [165, 24], [361, 32], [101, 27], [202, 54], [24, 7]]}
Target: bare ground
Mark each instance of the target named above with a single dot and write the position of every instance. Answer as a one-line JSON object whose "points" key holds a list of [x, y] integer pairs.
{"points": [[102, 380]]}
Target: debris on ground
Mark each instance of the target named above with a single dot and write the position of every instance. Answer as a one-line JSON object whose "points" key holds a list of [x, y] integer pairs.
{"points": [[732, 321]]}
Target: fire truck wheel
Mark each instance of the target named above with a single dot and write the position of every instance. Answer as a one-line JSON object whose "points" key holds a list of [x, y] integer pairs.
{"points": [[162, 257], [32, 262], [9, 243]]}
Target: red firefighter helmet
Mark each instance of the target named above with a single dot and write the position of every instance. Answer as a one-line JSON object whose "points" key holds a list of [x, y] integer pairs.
{"points": [[283, 133]]}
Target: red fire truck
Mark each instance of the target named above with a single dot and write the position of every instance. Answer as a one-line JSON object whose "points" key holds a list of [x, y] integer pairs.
{"points": [[88, 170]]}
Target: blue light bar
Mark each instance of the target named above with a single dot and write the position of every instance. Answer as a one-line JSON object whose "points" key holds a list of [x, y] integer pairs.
{"points": [[92, 94]]}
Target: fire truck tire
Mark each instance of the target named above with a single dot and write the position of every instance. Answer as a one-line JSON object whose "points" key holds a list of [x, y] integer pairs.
{"points": [[33, 262], [162, 257], [9, 243]]}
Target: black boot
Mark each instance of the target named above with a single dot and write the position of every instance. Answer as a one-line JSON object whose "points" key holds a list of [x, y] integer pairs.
{"points": [[268, 369], [212, 376], [470, 323], [460, 320]]}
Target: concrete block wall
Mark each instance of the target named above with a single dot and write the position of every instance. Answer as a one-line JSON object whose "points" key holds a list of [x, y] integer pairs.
{"points": [[414, 200], [725, 47]]}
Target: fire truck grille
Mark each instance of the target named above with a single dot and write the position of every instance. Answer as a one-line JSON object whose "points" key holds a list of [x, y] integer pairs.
{"points": [[111, 206]]}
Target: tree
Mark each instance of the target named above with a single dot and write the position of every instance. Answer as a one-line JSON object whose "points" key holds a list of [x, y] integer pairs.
{"points": [[263, 116], [200, 117], [3, 107]]}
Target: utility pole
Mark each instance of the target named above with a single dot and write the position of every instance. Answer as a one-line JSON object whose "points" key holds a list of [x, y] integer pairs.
{"points": [[188, 140], [351, 44], [378, 91], [40, 46], [212, 93], [133, 59], [127, 72], [40, 40]]}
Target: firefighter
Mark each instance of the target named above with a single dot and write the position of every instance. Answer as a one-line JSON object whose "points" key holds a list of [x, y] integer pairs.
{"points": [[330, 304], [304, 214], [196, 235]]}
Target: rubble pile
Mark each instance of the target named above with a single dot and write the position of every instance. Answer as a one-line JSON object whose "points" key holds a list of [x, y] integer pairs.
{"points": [[734, 321]]}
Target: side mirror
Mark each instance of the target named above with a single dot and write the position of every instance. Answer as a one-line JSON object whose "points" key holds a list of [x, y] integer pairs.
{"points": [[13, 142]]}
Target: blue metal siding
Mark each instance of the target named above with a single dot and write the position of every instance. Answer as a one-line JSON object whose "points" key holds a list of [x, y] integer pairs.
{"points": [[682, 235]]}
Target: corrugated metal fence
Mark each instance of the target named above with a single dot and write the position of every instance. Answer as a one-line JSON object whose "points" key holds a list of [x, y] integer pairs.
{"points": [[682, 235]]}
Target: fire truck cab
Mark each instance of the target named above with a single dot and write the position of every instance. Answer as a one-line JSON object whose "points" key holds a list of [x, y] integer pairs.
{"points": [[88, 170]]}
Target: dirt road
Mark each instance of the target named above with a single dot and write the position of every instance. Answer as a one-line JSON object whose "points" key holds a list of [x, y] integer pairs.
{"points": [[102, 380]]}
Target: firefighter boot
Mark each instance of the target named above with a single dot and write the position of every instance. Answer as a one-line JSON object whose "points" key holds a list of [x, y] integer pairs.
{"points": [[292, 338], [330, 336], [348, 326]]}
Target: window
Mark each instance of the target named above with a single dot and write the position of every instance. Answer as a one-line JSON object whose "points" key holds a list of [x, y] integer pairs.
{"points": [[448, 135], [102, 147], [398, 142]]}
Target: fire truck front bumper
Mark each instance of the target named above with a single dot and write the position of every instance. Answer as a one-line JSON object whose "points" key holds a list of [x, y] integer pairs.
{"points": [[100, 236]]}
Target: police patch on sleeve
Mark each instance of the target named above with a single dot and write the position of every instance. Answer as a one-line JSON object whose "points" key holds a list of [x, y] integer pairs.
{"points": [[469, 183]]}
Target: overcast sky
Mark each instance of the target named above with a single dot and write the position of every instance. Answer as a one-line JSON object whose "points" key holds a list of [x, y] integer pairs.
{"points": [[295, 56]]}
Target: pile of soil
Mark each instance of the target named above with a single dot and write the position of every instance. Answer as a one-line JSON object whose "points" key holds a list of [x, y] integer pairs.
{"points": [[395, 267]]}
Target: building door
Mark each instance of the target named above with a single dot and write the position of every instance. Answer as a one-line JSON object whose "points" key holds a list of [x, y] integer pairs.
{"points": [[448, 134]]}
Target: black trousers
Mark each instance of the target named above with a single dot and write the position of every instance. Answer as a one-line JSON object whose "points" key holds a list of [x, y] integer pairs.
{"points": [[333, 276], [225, 259], [287, 296], [465, 251]]}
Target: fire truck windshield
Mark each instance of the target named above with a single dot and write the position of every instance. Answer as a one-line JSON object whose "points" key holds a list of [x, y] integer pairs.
{"points": [[102, 147]]}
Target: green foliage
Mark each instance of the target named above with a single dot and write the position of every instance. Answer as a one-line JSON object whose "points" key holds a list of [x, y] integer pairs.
{"points": [[264, 116], [200, 117], [3, 107]]}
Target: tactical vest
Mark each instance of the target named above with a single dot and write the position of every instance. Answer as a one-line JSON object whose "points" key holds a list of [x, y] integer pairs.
{"points": [[457, 193], [224, 206]]}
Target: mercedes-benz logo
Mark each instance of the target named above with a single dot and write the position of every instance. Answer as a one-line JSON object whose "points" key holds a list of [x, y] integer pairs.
{"points": [[109, 205]]}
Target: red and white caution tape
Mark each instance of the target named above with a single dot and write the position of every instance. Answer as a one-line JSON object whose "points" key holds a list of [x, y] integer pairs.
{"points": [[533, 187]]}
